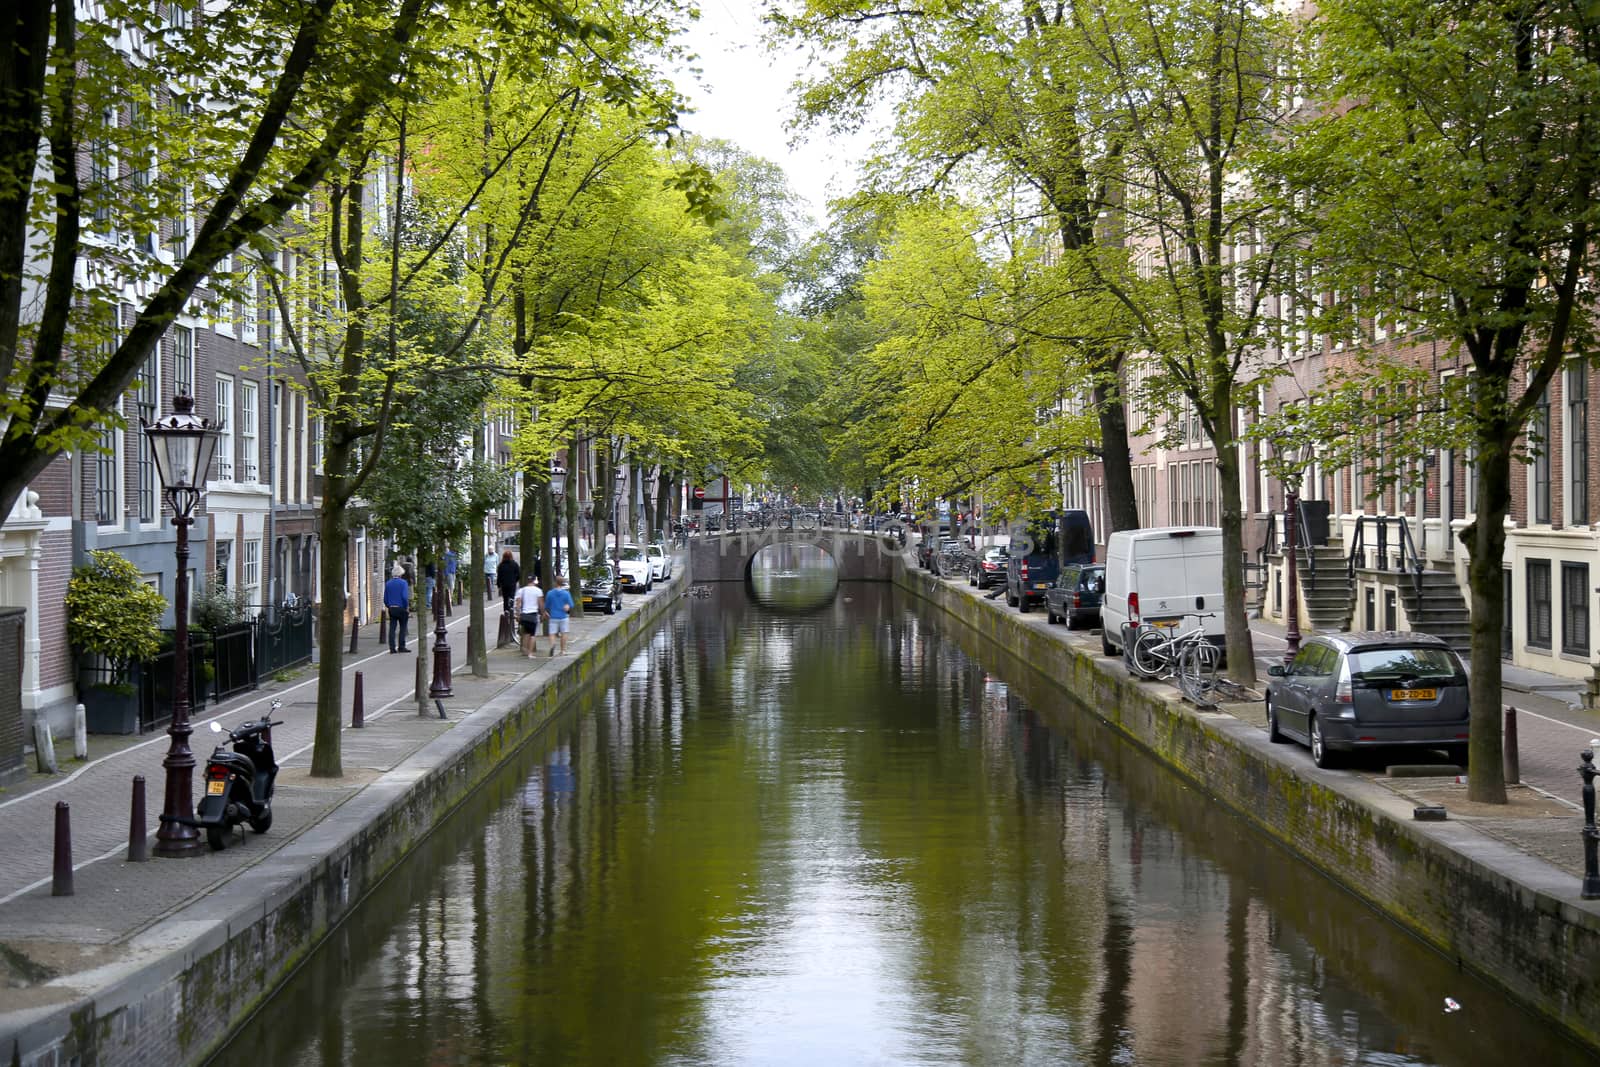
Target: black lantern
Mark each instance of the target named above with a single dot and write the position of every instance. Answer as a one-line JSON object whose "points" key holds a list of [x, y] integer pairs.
{"points": [[182, 445], [558, 482]]}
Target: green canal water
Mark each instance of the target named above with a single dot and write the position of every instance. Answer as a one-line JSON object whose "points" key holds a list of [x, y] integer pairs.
{"points": [[808, 824]]}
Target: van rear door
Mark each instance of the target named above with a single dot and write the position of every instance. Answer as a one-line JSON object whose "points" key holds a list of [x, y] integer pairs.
{"points": [[1158, 577]]}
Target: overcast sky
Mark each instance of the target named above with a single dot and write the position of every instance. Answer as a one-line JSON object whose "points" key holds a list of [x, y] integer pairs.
{"points": [[743, 97]]}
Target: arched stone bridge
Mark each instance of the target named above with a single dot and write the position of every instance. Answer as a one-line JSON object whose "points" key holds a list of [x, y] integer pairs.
{"points": [[859, 557]]}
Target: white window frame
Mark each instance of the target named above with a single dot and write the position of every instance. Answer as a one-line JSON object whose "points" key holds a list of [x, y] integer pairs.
{"points": [[183, 338], [249, 309], [225, 444], [249, 427], [250, 566], [112, 435]]}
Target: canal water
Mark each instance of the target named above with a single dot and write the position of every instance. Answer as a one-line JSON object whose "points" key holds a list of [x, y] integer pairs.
{"points": [[808, 824]]}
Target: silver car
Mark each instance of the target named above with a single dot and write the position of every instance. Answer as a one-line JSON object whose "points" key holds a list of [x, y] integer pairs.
{"points": [[1346, 692]]}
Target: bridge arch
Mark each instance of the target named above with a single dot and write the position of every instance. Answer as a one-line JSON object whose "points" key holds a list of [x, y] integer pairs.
{"points": [[857, 556]]}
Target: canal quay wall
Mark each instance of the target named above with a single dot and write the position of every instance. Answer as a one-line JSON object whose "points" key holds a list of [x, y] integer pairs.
{"points": [[194, 976], [1512, 919]]}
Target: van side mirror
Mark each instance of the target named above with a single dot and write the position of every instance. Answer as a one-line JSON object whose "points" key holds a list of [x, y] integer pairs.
{"points": [[1277, 670]]}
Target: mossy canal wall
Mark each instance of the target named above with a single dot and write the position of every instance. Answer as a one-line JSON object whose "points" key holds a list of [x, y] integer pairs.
{"points": [[1513, 920], [196, 975]]}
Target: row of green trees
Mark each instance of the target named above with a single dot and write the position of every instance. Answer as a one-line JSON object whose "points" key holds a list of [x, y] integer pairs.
{"points": [[1117, 202], [459, 210]]}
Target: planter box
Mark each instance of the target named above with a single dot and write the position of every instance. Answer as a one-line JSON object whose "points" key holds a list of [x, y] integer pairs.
{"points": [[108, 710]]}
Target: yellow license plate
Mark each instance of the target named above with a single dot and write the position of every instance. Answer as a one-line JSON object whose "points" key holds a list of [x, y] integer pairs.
{"points": [[1413, 694], [215, 788], [1164, 624]]}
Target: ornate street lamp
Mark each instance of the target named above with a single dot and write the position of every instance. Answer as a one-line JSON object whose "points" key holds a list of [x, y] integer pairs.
{"points": [[439, 688], [558, 491], [181, 446], [651, 482], [616, 517], [1291, 538]]}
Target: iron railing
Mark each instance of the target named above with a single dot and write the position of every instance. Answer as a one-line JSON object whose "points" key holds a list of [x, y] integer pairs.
{"points": [[1401, 557]]}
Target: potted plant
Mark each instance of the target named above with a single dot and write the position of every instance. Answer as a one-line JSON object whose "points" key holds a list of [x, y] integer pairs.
{"points": [[112, 617]]}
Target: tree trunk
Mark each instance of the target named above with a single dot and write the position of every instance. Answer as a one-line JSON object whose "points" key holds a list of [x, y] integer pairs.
{"points": [[549, 538], [1485, 773], [664, 504], [326, 760], [475, 580], [1122, 507], [574, 556], [1236, 623]]}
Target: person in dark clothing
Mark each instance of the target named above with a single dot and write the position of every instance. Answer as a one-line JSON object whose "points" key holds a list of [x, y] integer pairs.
{"points": [[507, 577], [397, 604]]}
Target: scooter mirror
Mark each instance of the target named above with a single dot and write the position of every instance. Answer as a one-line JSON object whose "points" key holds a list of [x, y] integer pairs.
{"points": [[216, 727]]}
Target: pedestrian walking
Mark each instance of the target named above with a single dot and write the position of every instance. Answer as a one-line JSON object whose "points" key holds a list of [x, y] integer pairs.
{"points": [[489, 561], [397, 605], [507, 576], [452, 563], [530, 607], [558, 609], [428, 571]]}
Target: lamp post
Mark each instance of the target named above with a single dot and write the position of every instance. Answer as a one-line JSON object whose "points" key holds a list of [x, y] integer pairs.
{"points": [[1291, 529], [439, 688], [558, 490], [651, 482], [181, 446], [616, 517]]}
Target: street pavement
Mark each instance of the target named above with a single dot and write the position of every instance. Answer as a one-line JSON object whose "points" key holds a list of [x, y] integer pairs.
{"points": [[115, 898]]}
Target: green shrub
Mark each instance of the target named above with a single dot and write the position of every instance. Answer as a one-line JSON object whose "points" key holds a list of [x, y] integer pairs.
{"points": [[111, 612], [216, 607]]}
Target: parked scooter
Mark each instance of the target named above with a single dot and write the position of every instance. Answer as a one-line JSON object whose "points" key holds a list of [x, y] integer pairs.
{"points": [[239, 783]]}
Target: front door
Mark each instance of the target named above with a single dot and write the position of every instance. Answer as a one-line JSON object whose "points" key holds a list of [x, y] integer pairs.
{"points": [[1505, 615]]}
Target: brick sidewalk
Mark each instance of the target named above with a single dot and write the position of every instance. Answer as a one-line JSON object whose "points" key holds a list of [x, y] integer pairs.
{"points": [[99, 791]]}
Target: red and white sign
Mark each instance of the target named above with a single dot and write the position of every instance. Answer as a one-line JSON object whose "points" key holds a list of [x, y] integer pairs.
{"points": [[699, 493]]}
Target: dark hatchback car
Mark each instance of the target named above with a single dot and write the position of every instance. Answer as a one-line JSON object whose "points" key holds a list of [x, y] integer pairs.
{"points": [[1074, 598], [601, 588], [1346, 692], [988, 568]]}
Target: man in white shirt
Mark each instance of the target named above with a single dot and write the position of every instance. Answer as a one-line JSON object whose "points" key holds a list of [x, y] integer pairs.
{"points": [[530, 602]]}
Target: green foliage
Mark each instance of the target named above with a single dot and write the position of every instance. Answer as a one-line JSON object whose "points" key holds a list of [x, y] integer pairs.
{"points": [[215, 606], [111, 612]]}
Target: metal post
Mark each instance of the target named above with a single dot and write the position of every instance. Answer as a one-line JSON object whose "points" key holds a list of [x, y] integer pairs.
{"points": [[355, 632], [177, 835], [138, 838], [358, 717], [1290, 538], [1591, 836], [440, 686], [1509, 754], [61, 872]]}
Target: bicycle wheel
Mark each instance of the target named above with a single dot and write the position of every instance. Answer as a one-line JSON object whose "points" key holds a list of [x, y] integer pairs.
{"points": [[1150, 653], [1197, 671]]}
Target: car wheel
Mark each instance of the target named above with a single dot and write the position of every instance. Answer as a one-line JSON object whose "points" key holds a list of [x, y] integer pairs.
{"points": [[1459, 754], [1321, 755], [1024, 605], [611, 606], [1011, 601], [1105, 644], [1274, 734]]}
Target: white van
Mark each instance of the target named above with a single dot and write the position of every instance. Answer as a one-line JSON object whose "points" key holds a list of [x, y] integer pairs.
{"points": [[1154, 576]]}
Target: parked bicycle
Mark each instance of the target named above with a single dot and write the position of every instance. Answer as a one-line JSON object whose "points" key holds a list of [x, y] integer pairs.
{"points": [[1158, 652]]}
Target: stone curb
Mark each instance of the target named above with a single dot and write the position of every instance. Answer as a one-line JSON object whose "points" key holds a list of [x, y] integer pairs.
{"points": [[1512, 919], [193, 976]]}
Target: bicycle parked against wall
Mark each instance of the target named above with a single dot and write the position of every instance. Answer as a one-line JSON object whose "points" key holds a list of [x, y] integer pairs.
{"points": [[1158, 652]]}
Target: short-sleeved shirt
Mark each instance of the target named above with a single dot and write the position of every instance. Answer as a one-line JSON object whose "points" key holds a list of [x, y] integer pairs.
{"points": [[528, 598], [558, 603]]}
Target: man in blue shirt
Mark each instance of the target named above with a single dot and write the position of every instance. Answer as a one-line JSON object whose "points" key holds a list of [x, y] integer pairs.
{"points": [[558, 605], [397, 604]]}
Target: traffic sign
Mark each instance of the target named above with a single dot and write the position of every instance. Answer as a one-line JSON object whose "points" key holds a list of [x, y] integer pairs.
{"points": [[699, 493]]}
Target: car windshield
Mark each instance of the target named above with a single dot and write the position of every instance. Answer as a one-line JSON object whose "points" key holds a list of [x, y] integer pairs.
{"points": [[995, 555], [593, 572], [1379, 664], [633, 552]]}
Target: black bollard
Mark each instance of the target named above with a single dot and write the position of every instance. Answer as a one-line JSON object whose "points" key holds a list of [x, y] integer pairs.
{"points": [[1509, 754], [357, 713], [355, 632], [508, 631], [61, 874], [1591, 836], [470, 644], [138, 837]]}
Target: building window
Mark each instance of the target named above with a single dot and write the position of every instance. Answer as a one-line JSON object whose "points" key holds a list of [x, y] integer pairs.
{"points": [[249, 308], [146, 397], [1539, 603], [106, 509], [316, 444], [1541, 460], [249, 457], [1575, 609], [102, 174], [1578, 442], [224, 428], [250, 567], [183, 360]]}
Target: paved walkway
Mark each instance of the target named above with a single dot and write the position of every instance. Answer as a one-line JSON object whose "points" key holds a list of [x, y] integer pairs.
{"points": [[1543, 818], [115, 899]]}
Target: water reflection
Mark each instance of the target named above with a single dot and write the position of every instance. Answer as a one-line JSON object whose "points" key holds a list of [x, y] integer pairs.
{"points": [[841, 837], [793, 577]]}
